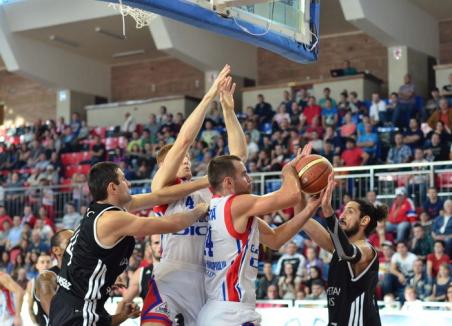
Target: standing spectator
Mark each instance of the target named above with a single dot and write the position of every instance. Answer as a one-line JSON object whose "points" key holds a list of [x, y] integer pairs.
{"points": [[352, 155], [377, 111], [401, 270], [72, 218], [444, 114], [163, 115], [401, 213], [417, 182], [129, 124], [422, 244], [265, 281], [433, 204], [263, 110], [435, 259], [441, 283], [399, 153], [407, 103], [420, 282], [153, 126], [76, 125]]}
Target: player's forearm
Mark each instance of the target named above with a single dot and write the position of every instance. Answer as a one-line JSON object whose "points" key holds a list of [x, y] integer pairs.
{"points": [[345, 249], [318, 234], [19, 296], [167, 195], [289, 229], [180, 221], [118, 319], [236, 136]]}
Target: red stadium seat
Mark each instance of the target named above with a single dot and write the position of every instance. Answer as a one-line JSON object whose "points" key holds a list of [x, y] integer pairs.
{"points": [[444, 180], [111, 143]]}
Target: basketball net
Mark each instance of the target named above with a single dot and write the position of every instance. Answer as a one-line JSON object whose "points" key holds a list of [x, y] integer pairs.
{"points": [[142, 18]]}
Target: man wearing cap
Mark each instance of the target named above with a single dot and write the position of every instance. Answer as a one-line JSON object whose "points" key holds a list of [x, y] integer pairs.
{"points": [[401, 214]]}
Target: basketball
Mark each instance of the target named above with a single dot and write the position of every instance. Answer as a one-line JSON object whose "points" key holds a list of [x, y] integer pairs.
{"points": [[313, 171]]}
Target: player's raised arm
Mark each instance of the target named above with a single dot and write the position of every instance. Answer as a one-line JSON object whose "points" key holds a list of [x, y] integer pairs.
{"points": [[166, 195], [113, 225], [277, 237], [166, 174], [45, 289], [8, 283], [236, 137]]}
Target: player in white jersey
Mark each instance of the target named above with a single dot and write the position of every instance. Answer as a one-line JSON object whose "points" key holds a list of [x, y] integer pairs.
{"points": [[178, 287], [232, 242], [11, 298]]}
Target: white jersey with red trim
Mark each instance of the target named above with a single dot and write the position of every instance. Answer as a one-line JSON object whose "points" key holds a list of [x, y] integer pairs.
{"points": [[231, 258], [7, 309], [185, 246]]}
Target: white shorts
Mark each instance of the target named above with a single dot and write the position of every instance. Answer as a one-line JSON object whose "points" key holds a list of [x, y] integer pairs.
{"points": [[178, 289], [228, 313]]}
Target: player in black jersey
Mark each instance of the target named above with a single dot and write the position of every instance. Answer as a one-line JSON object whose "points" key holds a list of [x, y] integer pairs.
{"points": [[101, 246], [353, 272], [45, 284]]}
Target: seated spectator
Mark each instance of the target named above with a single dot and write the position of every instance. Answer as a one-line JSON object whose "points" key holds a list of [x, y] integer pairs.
{"points": [[422, 243], [435, 259], [6, 265], [265, 281], [28, 216], [279, 158], [355, 104], [312, 259], [444, 114], [287, 102], [315, 141], [420, 281], [436, 149], [314, 127], [326, 97], [252, 147], [310, 111], [433, 103], [399, 153], [153, 126], [401, 213], [317, 292], [417, 183], [215, 114], [281, 114], [4, 234], [413, 136], [352, 155], [348, 128], [411, 301], [329, 114], [287, 282], [433, 204], [401, 270], [36, 242], [15, 233], [98, 151], [371, 196], [297, 260], [250, 128], [135, 141], [72, 218], [348, 70], [314, 274], [263, 161], [302, 98], [441, 283], [4, 217], [442, 226], [384, 258], [209, 134], [272, 292], [368, 140], [343, 106], [328, 150], [381, 236], [447, 89], [377, 112], [44, 229], [263, 110], [448, 307]]}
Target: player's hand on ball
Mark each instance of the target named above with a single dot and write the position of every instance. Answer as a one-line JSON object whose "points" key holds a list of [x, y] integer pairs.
{"points": [[307, 149], [132, 310], [327, 195], [201, 209]]}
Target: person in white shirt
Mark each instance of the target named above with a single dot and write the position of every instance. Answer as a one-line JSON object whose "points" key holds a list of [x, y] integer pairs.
{"points": [[129, 124], [72, 218], [412, 303], [297, 260], [377, 110]]}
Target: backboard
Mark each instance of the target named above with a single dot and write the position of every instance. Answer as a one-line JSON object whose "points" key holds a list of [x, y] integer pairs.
{"points": [[287, 27]]}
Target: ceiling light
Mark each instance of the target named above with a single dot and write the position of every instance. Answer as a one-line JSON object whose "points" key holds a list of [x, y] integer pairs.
{"points": [[105, 32], [61, 40]]}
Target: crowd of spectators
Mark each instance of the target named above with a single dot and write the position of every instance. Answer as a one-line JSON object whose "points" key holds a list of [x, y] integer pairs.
{"points": [[348, 131]]}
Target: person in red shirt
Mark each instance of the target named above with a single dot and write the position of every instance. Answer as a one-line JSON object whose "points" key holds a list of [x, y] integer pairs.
{"points": [[381, 236], [310, 111], [437, 258], [400, 215], [352, 155], [4, 217]]}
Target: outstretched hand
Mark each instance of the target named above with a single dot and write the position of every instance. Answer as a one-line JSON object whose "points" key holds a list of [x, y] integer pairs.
{"points": [[215, 88], [227, 88], [327, 195]]}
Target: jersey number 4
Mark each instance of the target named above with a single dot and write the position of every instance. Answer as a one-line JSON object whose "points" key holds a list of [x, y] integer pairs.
{"points": [[189, 203], [208, 250]]}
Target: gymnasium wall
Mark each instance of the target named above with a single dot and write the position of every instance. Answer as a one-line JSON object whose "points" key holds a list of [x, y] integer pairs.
{"points": [[445, 42]]}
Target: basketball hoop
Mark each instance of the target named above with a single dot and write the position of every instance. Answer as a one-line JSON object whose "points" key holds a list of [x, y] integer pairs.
{"points": [[142, 18]]}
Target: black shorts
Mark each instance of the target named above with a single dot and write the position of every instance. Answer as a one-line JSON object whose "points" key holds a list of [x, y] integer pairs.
{"points": [[65, 310]]}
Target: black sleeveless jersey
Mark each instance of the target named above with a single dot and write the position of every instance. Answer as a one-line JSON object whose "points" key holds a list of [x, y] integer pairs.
{"points": [[351, 299], [39, 313], [89, 269], [145, 278]]}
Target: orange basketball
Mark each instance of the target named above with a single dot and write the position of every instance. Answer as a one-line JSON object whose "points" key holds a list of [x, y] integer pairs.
{"points": [[313, 171]]}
